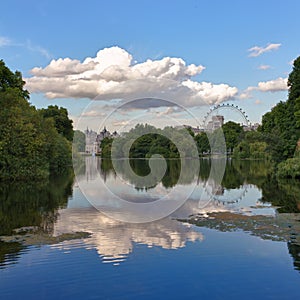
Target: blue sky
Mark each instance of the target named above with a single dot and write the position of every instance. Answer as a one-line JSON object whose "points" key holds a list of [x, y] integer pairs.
{"points": [[212, 34]]}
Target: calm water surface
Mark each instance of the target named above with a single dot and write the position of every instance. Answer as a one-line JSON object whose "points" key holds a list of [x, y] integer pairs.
{"points": [[236, 239]]}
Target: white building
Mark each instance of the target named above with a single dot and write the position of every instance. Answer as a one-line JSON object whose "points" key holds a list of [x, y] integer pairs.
{"points": [[93, 140], [90, 141]]}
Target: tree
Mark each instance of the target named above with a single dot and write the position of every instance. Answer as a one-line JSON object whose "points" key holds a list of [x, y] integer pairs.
{"points": [[283, 122], [202, 142], [79, 141], [294, 89], [30, 146], [294, 80], [106, 144], [289, 168], [258, 150], [146, 140], [242, 150], [233, 134], [10, 80], [297, 112], [22, 140], [190, 131], [61, 120], [280, 124]]}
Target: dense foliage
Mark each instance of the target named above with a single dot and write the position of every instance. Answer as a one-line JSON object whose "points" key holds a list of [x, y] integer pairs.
{"points": [[279, 133], [61, 120], [143, 141], [106, 147], [79, 141], [275, 140], [31, 146], [233, 134], [10, 80], [289, 168], [253, 146], [281, 125]]}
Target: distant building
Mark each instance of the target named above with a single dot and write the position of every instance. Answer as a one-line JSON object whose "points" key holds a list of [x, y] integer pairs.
{"points": [[90, 141], [196, 130], [93, 140], [251, 127], [115, 134], [216, 123], [255, 126], [103, 134]]}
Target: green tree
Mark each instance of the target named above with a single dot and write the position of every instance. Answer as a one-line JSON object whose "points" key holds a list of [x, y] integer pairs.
{"points": [[10, 80], [202, 142], [233, 133], [242, 150], [61, 120], [294, 80], [297, 112], [22, 139], [258, 150], [282, 124], [105, 146], [190, 131], [289, 168], [294, 89], [79, 141], [30, 145]]}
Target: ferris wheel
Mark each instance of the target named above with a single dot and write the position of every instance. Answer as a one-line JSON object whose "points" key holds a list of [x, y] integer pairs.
{"points": [[217, 110]]}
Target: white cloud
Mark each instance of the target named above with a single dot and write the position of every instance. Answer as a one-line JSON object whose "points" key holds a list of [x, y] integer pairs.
{"points": [[168, 111], [210, 92], [93, 113], [257, 51], [61, 68], [246, 94], [112, 74], [121, 123], [275, 85], [4, 41], [263, 67]]}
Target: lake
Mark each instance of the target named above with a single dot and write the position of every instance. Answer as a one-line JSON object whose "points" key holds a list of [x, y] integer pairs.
{"points": [[138, 229]]}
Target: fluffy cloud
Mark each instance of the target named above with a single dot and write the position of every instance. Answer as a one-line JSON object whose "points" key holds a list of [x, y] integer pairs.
{"points": [[246, 94], [275, 85], [112, 74], [168, 111], [257, 51]]}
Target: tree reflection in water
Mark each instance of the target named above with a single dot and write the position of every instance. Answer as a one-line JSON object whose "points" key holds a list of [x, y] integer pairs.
{"points": [[31, 205], [40, 204]]}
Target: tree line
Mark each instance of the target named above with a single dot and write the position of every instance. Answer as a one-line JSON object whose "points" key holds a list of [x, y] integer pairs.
{"points": [[275, 140], [34, 143]]}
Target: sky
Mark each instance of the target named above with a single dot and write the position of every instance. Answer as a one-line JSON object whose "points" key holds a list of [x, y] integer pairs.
{"points": [[95, 57]]}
